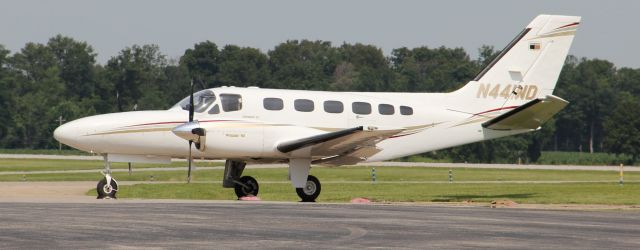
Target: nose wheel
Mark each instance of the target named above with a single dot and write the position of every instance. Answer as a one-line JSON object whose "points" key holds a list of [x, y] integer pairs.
{"points": [[246, 186], [107, 190], [310, 191]]}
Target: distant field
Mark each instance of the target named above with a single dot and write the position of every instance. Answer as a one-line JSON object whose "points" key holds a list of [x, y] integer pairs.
{"points": [[341, 184], [578, 158], [395, 174], [12, 165], [43, 151], [547, 157], [553, 158]]}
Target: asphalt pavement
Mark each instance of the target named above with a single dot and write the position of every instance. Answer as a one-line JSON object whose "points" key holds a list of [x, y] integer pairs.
{"points": [[222, 225]]}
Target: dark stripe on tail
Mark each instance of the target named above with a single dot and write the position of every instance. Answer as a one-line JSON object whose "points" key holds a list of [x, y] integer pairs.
{"points": [[502, 53]]}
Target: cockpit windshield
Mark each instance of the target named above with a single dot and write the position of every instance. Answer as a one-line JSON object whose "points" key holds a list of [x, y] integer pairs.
{"points": [[202, 100]]}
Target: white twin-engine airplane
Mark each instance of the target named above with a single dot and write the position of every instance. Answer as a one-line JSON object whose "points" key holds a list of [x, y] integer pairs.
{"points": [[512, 95]]}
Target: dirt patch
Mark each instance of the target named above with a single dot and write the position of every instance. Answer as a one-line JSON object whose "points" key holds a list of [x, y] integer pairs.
{"points": [[41, 191], [503, 203]]}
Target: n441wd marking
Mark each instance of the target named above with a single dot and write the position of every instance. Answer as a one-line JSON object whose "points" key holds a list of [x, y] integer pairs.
{"points": [[488, 90]]}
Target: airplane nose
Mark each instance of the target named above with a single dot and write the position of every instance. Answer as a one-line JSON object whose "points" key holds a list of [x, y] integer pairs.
{"points": [[66, 134]]}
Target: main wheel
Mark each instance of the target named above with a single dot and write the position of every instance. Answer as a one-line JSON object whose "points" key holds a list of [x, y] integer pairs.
{"points": [[249, 187], [310, 191], [107, 191]]}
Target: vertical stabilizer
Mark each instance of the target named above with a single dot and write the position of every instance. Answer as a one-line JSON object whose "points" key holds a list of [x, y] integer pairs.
{"points": [[528, 67]]}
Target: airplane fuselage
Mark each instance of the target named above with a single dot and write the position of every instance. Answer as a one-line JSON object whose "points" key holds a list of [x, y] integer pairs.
{"points": [[432, 121]]}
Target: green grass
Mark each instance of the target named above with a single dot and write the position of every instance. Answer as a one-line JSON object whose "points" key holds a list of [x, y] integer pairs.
{"points": [[341, 184], [346, 174], [42, 151], [574, 193], [336, 187], [547, 157], [10, 165], [578, 158]]}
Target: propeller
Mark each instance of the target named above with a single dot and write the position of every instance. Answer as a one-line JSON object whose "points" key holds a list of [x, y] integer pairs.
{"points": [[192, 132], [191, 108]]}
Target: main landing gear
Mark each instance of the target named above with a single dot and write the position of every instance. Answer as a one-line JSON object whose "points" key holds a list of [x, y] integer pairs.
{"points": [[243, 185], [107, 187], [307, 190], [310, 191], [246, 186]]}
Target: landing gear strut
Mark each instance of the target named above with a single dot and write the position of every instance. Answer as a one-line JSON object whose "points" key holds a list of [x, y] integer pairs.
{"points": [[307, 186], [310, 191], [243, 185], [107, 187]]}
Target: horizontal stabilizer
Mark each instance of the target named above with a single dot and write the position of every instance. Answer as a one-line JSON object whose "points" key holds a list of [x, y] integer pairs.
{"points": [[530, 115]]}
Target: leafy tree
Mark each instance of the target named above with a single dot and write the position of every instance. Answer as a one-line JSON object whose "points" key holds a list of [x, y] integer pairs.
{"points": [[176, 84], [202, 62], [628, 80], [588, 87], [242, 67], [5, 94], [136, 74], [487, 54], [363, 68], [302, 65], [76, 62], [536, 140], [623, 127], [432, 70], [38, 87]]}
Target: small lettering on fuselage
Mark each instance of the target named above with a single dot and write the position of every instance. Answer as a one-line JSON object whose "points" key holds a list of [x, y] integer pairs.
{"points": [[488, 90], [235, 135]]}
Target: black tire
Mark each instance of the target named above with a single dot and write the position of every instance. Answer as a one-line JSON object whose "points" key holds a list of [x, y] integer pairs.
{"points": [[251, 189], [311, 191], [102, 193]]}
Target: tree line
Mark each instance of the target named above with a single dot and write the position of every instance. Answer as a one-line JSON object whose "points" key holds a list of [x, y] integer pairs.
{"points": [[43, 82]]}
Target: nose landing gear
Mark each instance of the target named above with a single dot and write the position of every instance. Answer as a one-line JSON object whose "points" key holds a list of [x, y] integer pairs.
{"points": [[107, 190], [107, 187]]}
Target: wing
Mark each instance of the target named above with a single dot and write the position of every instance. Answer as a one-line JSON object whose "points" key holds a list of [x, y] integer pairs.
{"points": [[530, 115], [353, 143]]}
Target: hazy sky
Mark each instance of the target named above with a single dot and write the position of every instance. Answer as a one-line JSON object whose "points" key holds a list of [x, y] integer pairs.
{"points": [[610, 29]]}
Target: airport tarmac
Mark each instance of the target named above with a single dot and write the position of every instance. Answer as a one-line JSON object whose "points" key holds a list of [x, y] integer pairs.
{"points": [[119, 224]]}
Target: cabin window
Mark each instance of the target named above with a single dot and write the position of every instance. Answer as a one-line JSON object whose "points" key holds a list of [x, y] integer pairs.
{"points": [[303, 105], [361, 108], [334, 107], [231, 102], [386, 109], [272, 103], [404, 110]]}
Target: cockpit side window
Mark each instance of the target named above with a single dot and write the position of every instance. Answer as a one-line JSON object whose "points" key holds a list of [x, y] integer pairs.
{"points": [[215, 110], [202, 100], [231, 102]]}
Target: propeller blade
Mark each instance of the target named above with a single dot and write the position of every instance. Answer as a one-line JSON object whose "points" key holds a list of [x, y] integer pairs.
{"points": [[190, 161], [191, 104]]}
